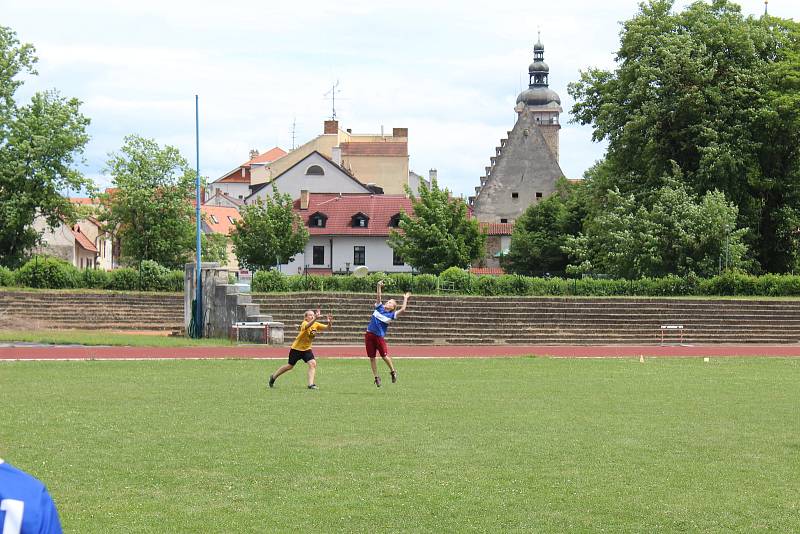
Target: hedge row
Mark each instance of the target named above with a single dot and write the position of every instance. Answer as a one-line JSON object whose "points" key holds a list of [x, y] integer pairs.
{"points": [[52, 273], [462, 282]]}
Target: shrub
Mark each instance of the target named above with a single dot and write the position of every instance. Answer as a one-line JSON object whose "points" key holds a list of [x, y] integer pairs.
{"points": [[153, 277], [550, 286], [48, 273], [124, 279], [301, 282], [94, 278], [175, 281], [785, 286], [270, 281], [6, 276], [424, 284], [486, 285], [402, 282], [513, 284], [461, 279]]}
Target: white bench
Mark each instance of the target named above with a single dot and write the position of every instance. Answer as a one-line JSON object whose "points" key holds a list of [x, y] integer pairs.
{"points": [[672, 328], [235, 327]]}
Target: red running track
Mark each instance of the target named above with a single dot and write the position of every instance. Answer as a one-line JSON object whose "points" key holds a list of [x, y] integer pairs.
{"points": [[399, 351]]}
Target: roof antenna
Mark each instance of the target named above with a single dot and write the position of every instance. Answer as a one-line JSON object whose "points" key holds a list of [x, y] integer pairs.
{"points": [[294, 131], [334, 89], [766, 7]]}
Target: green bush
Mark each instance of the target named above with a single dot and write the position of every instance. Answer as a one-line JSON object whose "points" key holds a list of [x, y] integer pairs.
{"points": [[123, 279], [301, 282], [461, 279], [48, 273], [153, 277], [424, 284], [486, 285], [550, 286], [785, 286], [270, 281], [513, 284], [6, 276], [175, 281], [94, 278], [402, 282]]}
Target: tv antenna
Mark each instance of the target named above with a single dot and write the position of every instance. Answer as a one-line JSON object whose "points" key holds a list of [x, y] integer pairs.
{"points": [[332, 93], [294, 131]]}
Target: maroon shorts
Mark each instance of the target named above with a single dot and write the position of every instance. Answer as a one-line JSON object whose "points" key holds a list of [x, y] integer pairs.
{"points": [[375, 343]]}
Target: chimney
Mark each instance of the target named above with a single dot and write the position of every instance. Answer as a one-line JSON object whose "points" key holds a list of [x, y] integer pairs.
{"points": [[331, 127], [336, 155], [304, 199], [399, 132], [253, 153], [432, 175], [349, 130]]}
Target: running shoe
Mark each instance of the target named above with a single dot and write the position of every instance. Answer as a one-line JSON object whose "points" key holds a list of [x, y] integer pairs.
{"points": [[378, 381], [394, 377], [271, 381], [313, 386]]}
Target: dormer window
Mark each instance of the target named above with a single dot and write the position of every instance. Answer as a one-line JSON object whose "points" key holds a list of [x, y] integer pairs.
{"points": [[230, 219], [214, 219], [360, 220], [318, 220], [315, 170], [394, 222]]}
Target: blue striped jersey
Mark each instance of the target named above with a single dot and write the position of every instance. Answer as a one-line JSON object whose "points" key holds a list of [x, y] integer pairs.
{"points": [[379, 322], [25, 505]]}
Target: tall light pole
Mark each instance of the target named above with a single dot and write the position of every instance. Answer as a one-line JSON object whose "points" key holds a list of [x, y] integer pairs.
{"points": [[198, 270]]}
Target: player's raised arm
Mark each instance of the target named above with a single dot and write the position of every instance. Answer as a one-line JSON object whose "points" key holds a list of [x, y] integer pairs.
{"points": [[405, 303], [378, 298]]}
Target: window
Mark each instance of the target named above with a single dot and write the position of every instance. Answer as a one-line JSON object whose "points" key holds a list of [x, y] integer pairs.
{"points": [[515, 195], [538, 195], [359, 255], [394, 222], [230, 219], [214, 219], [503, 220], [319, 255], [315, 170], [360, 221], [396, 259], [317, 220]]}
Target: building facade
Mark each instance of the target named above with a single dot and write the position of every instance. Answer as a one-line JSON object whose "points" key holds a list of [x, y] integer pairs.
{"points": [[524, 168]]}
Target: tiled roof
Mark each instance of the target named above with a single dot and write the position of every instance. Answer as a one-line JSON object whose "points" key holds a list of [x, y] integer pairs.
{"points": [[339, 210], [222, 225], [494, 271], [268, 156], [235, 177], [82, 240], [82, 201], [497, 228], [375, 148]]}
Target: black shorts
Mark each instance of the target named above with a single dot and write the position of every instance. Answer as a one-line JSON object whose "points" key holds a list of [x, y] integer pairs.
{"points": [[297, 355]]}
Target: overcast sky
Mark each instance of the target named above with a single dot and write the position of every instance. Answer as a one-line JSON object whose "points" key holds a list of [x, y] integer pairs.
{"points": [[448, 71]]}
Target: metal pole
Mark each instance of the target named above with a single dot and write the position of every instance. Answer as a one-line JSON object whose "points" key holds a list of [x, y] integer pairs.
{"points": [[198, 270]]}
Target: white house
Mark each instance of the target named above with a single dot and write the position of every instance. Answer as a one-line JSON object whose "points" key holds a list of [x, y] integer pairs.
{"points": [[314, 173], [347, 231], [236, 183]]}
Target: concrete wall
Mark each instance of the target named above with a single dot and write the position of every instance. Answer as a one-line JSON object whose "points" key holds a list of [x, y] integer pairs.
{"points": [[378, 255], [237, 190], [389, 172]]}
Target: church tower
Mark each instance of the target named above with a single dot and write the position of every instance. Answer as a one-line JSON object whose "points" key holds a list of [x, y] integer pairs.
{"points": [[525, 168]]}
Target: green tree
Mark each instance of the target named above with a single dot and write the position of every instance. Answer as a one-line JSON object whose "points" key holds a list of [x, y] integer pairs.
{"points": [[269, 233], [680, 234], [39, 144], [440, 234], [214, 248], [540, 234], [150, 208], [708, 90]]}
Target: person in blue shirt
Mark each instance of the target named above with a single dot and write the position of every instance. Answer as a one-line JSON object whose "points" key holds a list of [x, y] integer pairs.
{"points": [[375, 336], [25, 505]]}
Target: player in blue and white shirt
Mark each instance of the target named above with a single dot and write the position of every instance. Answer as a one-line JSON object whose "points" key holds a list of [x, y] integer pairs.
{"points": [[375, 336], [25, 505]]}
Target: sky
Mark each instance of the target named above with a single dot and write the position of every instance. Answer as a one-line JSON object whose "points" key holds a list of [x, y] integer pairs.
{"points": [[449, 71]]}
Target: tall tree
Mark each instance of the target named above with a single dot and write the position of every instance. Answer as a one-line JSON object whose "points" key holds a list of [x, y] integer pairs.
{"points": [[540, 234], [39, 144], [699, 89], [150, 207], [269, 232], [440, 234]]}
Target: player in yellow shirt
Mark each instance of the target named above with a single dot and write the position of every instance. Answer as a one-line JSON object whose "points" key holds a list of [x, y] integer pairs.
{"points": [[301, 348]]}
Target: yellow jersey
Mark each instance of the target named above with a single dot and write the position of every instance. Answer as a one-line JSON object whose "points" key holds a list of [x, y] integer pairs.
{"points": [[307, 333]]}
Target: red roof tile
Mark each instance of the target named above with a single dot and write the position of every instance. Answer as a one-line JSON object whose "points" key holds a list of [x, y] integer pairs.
{"points": [[497, 228], [235, 176], [339, 210], [375, 148], [494, 271], [82, 240], [223, 224], [82, 201], [268, 156]]}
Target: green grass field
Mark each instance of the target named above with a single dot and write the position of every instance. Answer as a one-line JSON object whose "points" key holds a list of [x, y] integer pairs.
{"points": [[506, 445]]}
